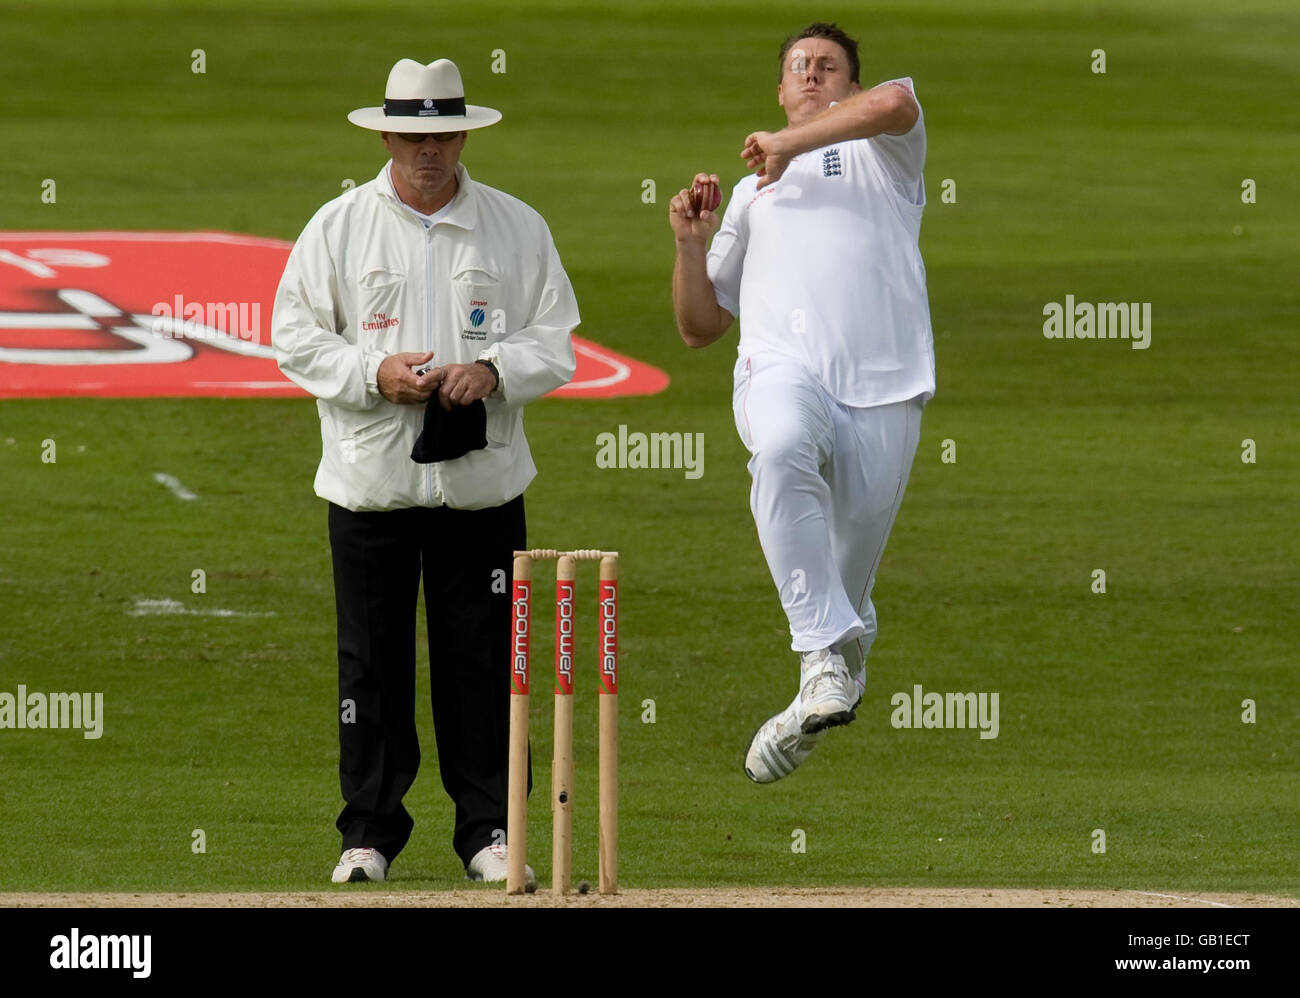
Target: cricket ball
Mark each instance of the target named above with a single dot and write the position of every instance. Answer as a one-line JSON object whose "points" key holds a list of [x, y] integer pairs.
{"points": [[706, 196]]}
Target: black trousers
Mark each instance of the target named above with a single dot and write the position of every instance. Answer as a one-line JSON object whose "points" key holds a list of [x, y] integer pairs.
{"points": [[465, 557]]}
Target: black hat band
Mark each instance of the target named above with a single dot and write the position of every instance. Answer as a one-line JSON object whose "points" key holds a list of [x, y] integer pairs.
{"points": [[425, 107]]}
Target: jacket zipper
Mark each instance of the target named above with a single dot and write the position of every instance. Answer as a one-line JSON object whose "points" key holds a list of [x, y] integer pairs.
{"points": [[428, 330]]}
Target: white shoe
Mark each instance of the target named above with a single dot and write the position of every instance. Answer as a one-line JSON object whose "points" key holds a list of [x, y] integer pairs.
{"points": [[779, 746], [359, 865], [489, 866], [828, 694]]}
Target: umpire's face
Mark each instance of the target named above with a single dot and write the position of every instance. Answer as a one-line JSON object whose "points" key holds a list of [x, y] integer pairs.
{"points": [[816, 72], [426, 163]]}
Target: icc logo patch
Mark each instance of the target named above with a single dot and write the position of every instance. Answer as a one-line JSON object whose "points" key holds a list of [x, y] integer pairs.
{"points": [[477, 316]]}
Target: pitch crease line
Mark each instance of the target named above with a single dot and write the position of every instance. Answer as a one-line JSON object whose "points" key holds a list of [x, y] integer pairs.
{"points": [[1179, 897]]}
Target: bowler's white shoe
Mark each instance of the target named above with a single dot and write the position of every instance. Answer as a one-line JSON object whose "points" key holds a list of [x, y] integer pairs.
{"points": [[359, 865], [828, 695], [779, 746], [489, 866]]}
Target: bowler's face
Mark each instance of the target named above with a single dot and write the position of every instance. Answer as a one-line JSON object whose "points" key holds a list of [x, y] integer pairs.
{"points": [[426, 167], [816, 72]]}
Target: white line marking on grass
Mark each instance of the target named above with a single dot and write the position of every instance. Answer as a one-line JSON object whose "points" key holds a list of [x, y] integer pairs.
{"points": [[1179, 897], [174, 484], [173, 608], [100, 235], [621, 370], [241, 384]]}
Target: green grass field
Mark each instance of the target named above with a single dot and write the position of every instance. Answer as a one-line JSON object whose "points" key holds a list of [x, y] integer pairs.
{"points": [[1119, 711]]}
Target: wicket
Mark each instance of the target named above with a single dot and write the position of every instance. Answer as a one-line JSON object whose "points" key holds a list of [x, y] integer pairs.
{"points": [[562, 758]]}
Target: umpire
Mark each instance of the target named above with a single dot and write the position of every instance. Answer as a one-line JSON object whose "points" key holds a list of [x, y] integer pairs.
{"points": [[423, 310]]}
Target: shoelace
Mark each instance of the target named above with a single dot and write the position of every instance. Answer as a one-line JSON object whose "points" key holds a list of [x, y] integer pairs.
{"points": [[359, 855], [821, 679], [790, 739]]}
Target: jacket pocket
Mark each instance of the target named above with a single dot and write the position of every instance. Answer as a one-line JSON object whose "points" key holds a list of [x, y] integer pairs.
{"points": [[501, 420], [380, 300], [370, 454], [480, 310]]}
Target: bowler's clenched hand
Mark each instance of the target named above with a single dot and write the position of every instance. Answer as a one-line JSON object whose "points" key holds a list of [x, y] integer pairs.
{"points": [[687, 223], [762, 153]]}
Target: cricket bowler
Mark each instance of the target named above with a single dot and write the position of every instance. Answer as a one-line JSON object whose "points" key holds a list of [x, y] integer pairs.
{"points": [[818, 256]]}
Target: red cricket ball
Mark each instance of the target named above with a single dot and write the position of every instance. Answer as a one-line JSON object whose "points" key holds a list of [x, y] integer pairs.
{"points": [[706, 196]]}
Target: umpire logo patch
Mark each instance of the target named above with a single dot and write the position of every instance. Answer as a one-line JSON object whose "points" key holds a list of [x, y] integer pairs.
{"points": [[477, 316], [831, 163]]}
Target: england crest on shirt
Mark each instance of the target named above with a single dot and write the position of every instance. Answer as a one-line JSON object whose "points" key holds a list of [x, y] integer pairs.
{"points": [[831, 163]]}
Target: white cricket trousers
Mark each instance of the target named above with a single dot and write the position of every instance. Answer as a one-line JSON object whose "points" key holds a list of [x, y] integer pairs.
{"points": [[827, 483]]}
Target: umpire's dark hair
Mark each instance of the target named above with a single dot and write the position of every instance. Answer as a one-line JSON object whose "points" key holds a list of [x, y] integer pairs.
{"points": [[831, 32]]}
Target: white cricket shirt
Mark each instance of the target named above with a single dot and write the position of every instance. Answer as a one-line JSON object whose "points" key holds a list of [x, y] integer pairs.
{"points": [[824, 267]]}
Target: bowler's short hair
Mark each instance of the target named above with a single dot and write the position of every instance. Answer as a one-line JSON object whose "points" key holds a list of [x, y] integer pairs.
{"points": [[831, 32]]}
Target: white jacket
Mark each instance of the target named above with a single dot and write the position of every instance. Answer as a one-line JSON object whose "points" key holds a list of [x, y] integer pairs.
{"points": [[366, 279]]}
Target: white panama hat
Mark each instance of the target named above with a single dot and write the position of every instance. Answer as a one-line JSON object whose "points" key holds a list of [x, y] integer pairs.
{"points": [[424, 99]]}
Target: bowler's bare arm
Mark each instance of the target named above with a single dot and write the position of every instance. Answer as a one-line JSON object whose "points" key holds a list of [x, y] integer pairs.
{"points": [[700, 319], [889, 109]]}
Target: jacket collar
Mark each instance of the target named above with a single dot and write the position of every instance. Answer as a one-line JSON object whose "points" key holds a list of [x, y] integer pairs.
{"points": [[464, 206]]}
